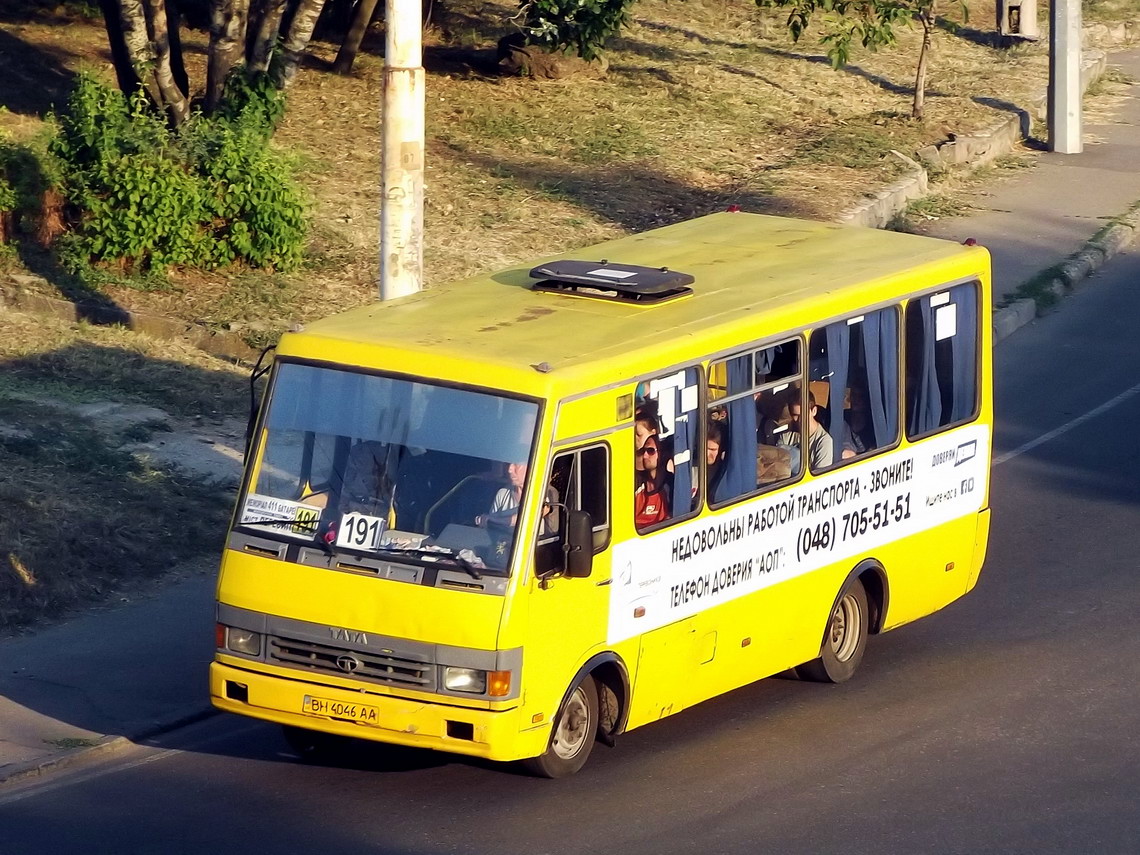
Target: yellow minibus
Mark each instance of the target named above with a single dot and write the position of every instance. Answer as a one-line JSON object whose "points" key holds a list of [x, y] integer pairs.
{"points": [[514, 516]]}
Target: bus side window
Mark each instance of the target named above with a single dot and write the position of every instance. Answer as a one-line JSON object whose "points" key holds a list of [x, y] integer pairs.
{"points": [[854, 380], [748, 409], [667, 449], [580, 479], [941, 360]]}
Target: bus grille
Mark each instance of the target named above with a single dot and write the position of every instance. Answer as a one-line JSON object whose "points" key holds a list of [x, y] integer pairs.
{"points": [[371, 666]]}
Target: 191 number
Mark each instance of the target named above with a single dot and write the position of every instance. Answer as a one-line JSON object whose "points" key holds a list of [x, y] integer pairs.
{"points": [[359, 531]]}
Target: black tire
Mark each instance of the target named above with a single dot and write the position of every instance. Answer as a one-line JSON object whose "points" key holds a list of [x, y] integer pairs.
{"points": [[844, 641], [573, 735], [313, 745]]}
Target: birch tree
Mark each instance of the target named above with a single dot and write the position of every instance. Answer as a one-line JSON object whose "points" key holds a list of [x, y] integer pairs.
{"points": [[228, 22], [147, 52], [283, 66]]}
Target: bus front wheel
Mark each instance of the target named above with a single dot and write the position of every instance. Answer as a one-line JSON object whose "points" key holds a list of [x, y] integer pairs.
{"points": [[573, 735], [844, 641]]}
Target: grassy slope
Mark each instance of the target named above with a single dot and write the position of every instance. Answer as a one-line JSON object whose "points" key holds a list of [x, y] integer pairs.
{"points": [[706, 103]]}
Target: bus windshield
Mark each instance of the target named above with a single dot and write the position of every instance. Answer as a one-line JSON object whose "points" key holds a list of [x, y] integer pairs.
{"points": [[394, 468]]}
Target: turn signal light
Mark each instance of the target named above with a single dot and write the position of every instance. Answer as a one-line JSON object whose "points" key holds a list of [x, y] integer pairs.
{"points": [[498, 683]]}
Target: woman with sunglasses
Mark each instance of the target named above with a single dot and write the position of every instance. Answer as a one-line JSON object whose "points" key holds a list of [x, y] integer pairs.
{"points": [[651, 496]]}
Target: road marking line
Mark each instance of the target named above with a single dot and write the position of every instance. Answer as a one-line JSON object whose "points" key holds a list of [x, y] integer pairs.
{"points": [[1068, 426]]}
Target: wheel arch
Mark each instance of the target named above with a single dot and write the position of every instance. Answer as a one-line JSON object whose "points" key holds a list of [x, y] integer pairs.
{"points": [[871, 573], [874, 578], [612, 677]]}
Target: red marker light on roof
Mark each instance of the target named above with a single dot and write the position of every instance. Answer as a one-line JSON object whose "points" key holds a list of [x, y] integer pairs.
{"points": [[970, 242], [330, 535], [733, 209]]}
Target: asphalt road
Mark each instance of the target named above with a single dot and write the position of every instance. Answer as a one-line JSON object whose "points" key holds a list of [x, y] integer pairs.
{"points": [[1006, 723]]}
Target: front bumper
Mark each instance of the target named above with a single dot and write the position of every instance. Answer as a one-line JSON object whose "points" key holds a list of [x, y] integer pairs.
{"points": [[492, 734]]}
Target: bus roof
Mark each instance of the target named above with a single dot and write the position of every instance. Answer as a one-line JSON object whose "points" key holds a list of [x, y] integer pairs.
{"points": [[770, 273]]}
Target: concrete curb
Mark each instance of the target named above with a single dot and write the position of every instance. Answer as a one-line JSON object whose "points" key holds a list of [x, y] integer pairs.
{"points": [[1071, 274], [106, 745], [969, 153], [962, 152], [14, 294]]}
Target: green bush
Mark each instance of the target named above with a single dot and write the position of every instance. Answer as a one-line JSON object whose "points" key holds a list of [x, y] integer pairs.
{"points": [[210, 195], [9, 200], [584, 25]]}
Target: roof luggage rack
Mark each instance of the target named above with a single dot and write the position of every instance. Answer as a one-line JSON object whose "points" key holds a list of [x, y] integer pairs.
{"points": [[625, 283]]}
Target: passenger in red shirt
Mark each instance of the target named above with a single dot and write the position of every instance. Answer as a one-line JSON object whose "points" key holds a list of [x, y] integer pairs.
{"points": [[651, 497]]}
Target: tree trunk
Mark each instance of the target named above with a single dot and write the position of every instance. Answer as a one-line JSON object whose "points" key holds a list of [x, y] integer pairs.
{"points": [[49, 223], [173, 99], [284, 65], [927, 20], [228, 21], [174, 28], [132, 16], [120, 56], [264, 26], [346, 56]]}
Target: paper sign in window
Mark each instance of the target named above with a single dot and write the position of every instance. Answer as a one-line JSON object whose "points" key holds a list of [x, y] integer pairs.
{"points": [[945, 322], [688, 399]]}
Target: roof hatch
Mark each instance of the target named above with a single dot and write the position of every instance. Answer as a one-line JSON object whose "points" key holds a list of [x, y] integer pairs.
{"points": [[601, 280]]}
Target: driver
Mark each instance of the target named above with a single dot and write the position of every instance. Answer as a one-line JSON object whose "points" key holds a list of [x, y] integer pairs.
{"points": [[507, 500]]}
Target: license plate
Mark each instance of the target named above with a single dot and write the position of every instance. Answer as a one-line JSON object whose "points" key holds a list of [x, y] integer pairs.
{"points": [[339, 709]]}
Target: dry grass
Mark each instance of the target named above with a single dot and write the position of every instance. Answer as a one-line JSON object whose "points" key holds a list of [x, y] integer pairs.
{"points": [[705, 104], [47, 357], [81, 520]]}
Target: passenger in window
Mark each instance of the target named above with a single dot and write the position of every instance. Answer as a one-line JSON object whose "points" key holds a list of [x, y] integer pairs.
{"points": [[646, 423], [766, 426], [715, 452], [858, 432], [820, 450], [644, 426], [651, 500]]}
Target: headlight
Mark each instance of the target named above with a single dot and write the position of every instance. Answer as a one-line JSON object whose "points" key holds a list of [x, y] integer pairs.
{"points": [[465, 680], [243, 641]]}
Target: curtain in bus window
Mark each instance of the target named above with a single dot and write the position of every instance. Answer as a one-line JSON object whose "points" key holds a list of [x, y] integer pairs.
{"points": [[926, 400], [764, 359], [963, 352], [740, 464], [880, 352], [683, 432], [838, 354]]}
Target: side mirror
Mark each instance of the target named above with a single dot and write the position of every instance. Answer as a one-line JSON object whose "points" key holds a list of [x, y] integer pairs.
{"points": [[578, 545]]}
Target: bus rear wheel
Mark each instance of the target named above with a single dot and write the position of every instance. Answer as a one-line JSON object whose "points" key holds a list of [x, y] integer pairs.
{"points": [[572, 738], [844, 641]]}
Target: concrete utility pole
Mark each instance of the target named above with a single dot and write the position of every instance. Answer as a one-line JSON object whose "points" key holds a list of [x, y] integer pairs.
{"points": [[1065, 76], [402, 156]]}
